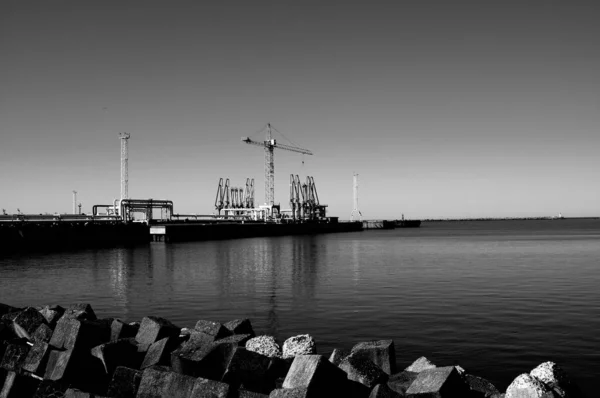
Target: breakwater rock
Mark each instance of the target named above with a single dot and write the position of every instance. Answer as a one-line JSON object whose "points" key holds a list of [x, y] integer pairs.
{"points": [[57, 352]]}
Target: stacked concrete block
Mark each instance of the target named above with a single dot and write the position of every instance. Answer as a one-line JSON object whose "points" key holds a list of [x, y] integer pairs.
{"points": [[54, 352], [314, 376], [381, 352], [153, 329], [122, 330], [444, 382]]}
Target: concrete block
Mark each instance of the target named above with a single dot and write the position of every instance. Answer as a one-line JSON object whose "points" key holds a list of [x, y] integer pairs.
{"points": [[52, 313], [317, 374], [59, 364], [75, 393], [362, 370], [381, 352], [383, 391], [80, 311], [159, 353], [111, 355], [83, 335], [214, 329], [125, 383], [279, 367], [420, 365], [240, 326], [302, 344], [42, 334], [265, 345], [18, 386], [200, 357], [249, 369], [14, 356], [65, 334], [157, 383], [37, 358], [337, 356], [122, 330], [297, 392], [400, 382], [27, 322], [238, 339], [153, 329], [438, 383], [205, 388], [251, 394]]}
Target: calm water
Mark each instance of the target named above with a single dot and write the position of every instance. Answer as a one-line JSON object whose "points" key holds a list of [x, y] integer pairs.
{"points": [[498, 298]]}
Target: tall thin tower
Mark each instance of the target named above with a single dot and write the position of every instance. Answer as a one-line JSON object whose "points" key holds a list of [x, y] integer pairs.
{"points": [[74, 202], [355, 211], [124, 165], [269, 168]]}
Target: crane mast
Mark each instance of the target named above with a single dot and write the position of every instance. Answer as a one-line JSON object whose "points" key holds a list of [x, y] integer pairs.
{"points": [[269, 145]]}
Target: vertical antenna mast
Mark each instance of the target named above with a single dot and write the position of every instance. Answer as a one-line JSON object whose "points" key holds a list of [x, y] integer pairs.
{"points": [[355, 211], [74, 202], [124, 165]]}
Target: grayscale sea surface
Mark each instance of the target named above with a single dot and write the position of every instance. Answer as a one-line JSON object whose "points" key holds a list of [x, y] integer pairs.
{"points": [[496, 297]]}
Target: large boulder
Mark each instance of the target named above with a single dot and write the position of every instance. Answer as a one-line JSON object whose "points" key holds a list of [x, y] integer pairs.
{"points": [[265, 345], [556, 379], [302, 344], [527, 386], [381, 352], [443, 382]]}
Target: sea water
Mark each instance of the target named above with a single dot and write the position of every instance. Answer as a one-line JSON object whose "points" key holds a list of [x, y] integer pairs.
{"points": [[496, 297]]}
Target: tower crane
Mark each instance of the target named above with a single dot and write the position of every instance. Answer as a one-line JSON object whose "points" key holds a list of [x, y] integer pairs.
{"points": [[270, 144]]}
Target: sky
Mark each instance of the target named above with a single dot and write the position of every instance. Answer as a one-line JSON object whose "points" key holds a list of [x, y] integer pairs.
{"points": [[443, 109]]}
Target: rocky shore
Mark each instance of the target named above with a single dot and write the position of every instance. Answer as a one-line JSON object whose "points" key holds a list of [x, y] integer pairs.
{"points": [[53, 351]]}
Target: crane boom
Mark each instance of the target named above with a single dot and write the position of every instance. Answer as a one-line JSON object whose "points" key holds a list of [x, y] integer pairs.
{"points": [[270, 144]]}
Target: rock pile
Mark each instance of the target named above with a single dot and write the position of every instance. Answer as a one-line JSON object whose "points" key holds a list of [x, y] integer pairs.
{"points": [[57, 352]]}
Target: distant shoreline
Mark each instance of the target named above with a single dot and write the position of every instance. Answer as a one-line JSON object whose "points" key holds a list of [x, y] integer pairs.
{"points": [[507, 219]]}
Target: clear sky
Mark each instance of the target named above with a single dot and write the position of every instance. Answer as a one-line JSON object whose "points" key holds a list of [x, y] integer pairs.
{"points": [[445, 109]]}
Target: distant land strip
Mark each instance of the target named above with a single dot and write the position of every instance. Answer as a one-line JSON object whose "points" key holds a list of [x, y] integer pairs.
{"points": [[509, 219]]}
